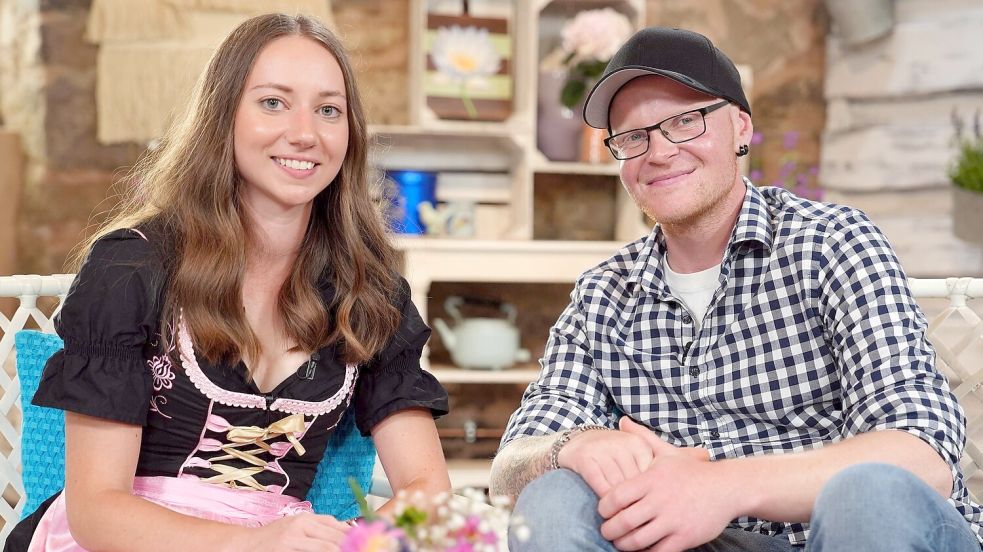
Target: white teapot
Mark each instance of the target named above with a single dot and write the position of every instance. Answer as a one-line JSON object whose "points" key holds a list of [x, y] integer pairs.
{"points": [[481, 343]]}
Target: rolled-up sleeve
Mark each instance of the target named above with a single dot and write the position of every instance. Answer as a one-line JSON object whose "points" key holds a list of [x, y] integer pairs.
{"points": [[568, 392], [888, 374]]}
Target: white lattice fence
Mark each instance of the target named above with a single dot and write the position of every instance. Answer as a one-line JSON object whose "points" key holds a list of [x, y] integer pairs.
{"points": [[955, 328], [954, 307], [28, 314]]}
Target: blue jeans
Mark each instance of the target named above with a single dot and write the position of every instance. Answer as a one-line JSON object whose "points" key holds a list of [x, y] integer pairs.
{"points": [[869, 507]]}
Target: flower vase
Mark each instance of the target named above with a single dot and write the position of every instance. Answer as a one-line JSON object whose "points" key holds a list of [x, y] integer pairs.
{"points": [[557, 127], [859, 21], [967, 224]]}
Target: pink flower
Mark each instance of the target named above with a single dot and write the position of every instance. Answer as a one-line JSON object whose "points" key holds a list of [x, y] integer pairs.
{"points": [[373, 536], [595, 34]]}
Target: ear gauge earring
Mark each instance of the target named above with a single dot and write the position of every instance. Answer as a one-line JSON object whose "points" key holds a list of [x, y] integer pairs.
{"points": [[743, 150]]}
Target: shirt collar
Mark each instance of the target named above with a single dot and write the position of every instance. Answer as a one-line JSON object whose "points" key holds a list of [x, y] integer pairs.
{"points": [[754, 226]]}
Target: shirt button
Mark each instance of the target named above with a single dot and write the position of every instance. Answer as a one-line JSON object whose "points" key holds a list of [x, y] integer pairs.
{"points": [[687, 319], [694, 371], [714, 433]]}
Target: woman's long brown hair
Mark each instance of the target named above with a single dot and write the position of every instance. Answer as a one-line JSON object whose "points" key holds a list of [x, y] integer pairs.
{"points": [[190, 185]]}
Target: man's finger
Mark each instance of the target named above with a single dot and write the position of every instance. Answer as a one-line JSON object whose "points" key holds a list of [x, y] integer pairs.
{"points": [[644, 537], [628, 425]]}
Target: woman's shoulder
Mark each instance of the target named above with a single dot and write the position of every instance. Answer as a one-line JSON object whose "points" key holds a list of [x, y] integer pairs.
{"points": [[142, 249]]}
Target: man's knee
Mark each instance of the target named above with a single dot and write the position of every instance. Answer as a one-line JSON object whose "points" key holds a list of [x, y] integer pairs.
{"points": [[560, 510], [873, 486], [875, 507]]}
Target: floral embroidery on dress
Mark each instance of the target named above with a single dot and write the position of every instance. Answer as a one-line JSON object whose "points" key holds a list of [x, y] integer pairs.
{"points": [[154, 407], [162, 372]]}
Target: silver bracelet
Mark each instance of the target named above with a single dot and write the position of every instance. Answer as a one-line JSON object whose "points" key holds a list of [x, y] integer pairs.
{"points": [[564, 438]]}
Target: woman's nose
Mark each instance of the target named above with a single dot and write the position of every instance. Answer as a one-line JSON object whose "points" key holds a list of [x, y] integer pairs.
{"points": [[301, 132]]}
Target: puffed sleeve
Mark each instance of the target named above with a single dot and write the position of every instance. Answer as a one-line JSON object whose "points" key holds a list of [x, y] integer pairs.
{"points": [[393, 380], [111, 311]]}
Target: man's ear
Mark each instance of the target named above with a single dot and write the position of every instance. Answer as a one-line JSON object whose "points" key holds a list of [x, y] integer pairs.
{"points": [[743, 128]]}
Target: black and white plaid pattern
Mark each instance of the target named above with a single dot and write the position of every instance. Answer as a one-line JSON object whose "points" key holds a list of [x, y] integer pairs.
{"points": [[812, 336]]}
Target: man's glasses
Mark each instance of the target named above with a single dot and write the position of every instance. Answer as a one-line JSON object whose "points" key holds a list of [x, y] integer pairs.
{"points": [[677, 129]]}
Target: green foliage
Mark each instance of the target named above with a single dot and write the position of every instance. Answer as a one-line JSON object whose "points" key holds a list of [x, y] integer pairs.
{"points": [[410, 519], [363, 505], [579, 78], [967, 171]]}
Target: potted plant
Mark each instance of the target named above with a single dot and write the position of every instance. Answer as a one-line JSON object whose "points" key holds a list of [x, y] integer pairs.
{"points": [[966, 174]]}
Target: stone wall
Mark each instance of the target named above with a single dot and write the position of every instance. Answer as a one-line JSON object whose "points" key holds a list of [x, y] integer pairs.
{"points": [[48, 72], [784, 44], [888, 136], [69, 173]]}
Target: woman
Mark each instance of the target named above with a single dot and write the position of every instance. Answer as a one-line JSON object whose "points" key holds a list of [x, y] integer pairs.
{"points": [[241, 301]]}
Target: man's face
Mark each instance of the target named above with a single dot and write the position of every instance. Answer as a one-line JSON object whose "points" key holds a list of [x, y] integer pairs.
{"points": [[679, 183]]}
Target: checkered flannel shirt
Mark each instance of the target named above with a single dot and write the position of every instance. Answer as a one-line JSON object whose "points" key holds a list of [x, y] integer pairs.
{"points": [[812, 337]]}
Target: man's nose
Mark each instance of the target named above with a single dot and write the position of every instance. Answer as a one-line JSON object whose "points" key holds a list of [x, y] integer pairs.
{"points": [[660, 147]]}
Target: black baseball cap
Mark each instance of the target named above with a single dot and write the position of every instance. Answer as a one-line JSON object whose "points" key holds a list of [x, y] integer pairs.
{"points": [[686, 57]]}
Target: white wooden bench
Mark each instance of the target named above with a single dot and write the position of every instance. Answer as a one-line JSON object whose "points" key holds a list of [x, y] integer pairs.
{"points": [[955, 329]]}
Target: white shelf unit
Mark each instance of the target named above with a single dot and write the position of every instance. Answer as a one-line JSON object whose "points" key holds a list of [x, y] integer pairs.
{"points": [[431, 143], [506, 252], [427, 260]]}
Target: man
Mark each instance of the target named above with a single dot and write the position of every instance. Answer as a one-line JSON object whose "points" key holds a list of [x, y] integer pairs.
{"points": [[752, 374]]}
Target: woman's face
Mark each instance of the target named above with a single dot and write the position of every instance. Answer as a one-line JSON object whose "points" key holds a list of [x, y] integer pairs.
{"points": [[290, 133]]}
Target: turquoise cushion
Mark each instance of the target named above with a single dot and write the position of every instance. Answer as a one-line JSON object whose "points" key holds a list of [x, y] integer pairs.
{"points": [[349, 454], [42, 438]]}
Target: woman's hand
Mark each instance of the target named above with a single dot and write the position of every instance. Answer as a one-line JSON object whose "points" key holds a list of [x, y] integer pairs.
{"points": [[300, 533]]}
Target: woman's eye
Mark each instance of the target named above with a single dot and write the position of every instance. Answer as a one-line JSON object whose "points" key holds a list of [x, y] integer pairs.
{"points": [[330, 111], [271, 103]]}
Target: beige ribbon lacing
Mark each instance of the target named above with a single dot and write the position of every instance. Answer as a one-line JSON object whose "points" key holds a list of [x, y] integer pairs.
{"points": [[245, 436]]}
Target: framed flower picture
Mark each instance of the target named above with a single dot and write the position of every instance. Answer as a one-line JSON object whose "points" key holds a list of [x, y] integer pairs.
{"points": [[468, 67]]}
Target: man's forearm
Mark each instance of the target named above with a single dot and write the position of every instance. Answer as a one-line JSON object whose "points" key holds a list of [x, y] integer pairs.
{"points": [[519, 463], [784, 487]]}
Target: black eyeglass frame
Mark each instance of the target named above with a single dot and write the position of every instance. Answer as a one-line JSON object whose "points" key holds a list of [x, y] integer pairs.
{"points": [[703, 111]]}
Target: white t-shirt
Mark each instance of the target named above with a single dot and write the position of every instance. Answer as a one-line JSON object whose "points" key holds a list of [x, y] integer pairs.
{"points": [[694, 290]]}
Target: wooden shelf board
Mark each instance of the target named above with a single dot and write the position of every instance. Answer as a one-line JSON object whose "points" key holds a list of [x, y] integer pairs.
{"points": [[524, 373], [463, 129], [470, 472], [557, 167], [421, 243]]}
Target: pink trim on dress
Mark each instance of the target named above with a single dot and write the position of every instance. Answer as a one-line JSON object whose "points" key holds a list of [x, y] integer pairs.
{"points": [[188, 461], [186, 351], [246, 400]]}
